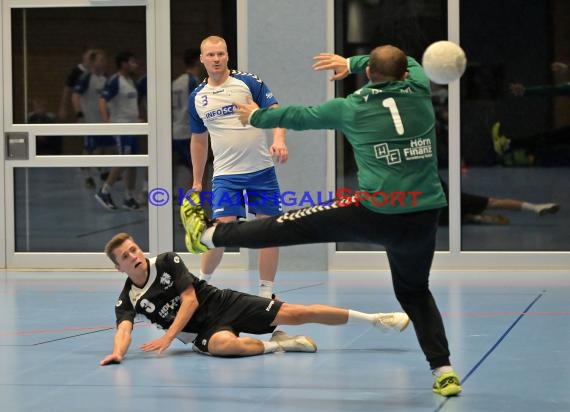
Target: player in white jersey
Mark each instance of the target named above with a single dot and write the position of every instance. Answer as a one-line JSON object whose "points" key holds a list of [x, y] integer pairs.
{"points": [[182, 86], [119, 104], [242, 160], [85, 100]]}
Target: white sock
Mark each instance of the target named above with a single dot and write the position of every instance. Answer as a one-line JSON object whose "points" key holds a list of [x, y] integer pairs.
{"points": [[205, 276], [207, 236], [265, 288], [270, 347], [354, 315], [441, 370], [528, 207], [106, 188]]}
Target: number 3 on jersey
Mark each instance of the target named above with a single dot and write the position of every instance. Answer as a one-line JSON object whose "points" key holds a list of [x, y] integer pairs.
{"points": [[390, 104]]}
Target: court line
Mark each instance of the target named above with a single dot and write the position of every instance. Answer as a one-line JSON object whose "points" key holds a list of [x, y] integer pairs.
{"points": [[303, 287], [486, 355], [88, 332]]}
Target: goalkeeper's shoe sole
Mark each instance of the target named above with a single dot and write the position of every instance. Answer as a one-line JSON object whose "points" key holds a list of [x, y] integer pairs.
{"points": [[194, 221]]}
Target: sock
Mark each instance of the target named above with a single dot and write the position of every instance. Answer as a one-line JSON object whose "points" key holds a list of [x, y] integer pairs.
{"points": [[270, 347], [106, 188], [265, 288], [354, 315], [204, 276], [441, 370], [207, 236], [128, 194]]}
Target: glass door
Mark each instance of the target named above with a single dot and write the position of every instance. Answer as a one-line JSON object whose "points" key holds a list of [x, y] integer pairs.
{"points": [[78, 145]]}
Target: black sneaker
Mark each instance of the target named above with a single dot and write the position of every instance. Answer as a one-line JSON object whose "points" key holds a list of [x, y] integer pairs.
{"points": [[105, 200], [131, 204]]}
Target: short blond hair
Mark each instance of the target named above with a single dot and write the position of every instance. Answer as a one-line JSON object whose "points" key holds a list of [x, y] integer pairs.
{"points": [[212, 39], [114, 243]]}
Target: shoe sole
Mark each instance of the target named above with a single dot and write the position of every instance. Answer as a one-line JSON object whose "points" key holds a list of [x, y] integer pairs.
{"points": [[313, 345], [190, 220], [102, 203], [549, 211], [311, 348], [452, 390]]}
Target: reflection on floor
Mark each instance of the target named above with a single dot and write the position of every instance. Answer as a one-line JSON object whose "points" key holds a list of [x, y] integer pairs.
{"points": [[508, 334], [526, 231]]}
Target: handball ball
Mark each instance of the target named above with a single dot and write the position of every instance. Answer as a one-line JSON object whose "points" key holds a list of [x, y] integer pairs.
{"points": [[444, 62]]}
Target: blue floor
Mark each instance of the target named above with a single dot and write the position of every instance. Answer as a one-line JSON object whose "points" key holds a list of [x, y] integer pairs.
{"points": [[509, 336]]}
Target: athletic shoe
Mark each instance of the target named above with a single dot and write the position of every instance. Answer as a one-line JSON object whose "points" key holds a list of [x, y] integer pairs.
{"points": [[131, 204], [297, 344], [500, 142], [194, 221], [392, 321], [547, 209], [279, 336], [105, 200], [447, 384]]}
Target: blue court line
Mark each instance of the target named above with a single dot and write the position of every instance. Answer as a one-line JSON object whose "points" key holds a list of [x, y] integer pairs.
{"points": [[486, 355]]}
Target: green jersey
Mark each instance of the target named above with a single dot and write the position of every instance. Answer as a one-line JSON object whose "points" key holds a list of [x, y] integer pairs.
{"points": [[391, 127]]}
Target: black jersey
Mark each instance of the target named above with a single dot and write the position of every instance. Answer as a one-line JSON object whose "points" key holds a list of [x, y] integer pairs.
{"points": [[159, 299]]}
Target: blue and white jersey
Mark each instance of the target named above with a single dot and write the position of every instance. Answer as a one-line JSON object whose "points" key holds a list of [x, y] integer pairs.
{"points": [[89, 87], [237, 149], [181, 89], [121, 95]]}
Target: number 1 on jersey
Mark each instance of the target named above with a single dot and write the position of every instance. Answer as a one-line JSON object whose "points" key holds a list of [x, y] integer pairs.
{"points": [[390, 104]]}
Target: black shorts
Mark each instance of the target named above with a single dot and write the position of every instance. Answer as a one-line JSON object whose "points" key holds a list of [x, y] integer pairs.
{"points": [[242, 313]]}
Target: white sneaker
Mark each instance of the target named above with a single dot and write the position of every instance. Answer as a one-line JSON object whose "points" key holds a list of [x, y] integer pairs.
{"points": [[280, 335], [392, 321], [547, 209], [297, 344]]}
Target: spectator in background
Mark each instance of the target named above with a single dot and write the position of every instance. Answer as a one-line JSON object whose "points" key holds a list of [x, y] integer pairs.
{"points": [[119, 104], [182, 86], [70, 81], [85, 100]]}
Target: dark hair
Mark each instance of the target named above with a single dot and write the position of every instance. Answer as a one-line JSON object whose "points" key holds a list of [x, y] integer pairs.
{"points": [[114, 243], [123, 57], [191, 57]]}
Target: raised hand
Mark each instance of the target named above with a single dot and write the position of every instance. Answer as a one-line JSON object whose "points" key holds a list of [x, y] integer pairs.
{"points": [[330, 61]]}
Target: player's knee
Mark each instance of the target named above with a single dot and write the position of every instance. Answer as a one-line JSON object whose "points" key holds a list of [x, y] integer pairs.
{"points": [[222, 344]]}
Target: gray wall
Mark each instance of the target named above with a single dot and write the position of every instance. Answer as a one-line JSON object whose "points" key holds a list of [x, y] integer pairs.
{"points": [[283, 37]]}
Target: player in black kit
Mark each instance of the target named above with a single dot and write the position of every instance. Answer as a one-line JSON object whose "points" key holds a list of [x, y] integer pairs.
{"points": [[166, 293]]}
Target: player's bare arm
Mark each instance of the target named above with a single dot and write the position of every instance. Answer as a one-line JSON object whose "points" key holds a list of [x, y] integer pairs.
{"points": [[122, 343], [103, 110], [188, 306], [278, 149], [330, 61], [199, 154]]}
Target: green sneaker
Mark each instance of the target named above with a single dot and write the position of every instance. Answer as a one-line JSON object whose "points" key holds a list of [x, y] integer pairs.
{"points": [[193, 219], [500, 142], [447, 384]]}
